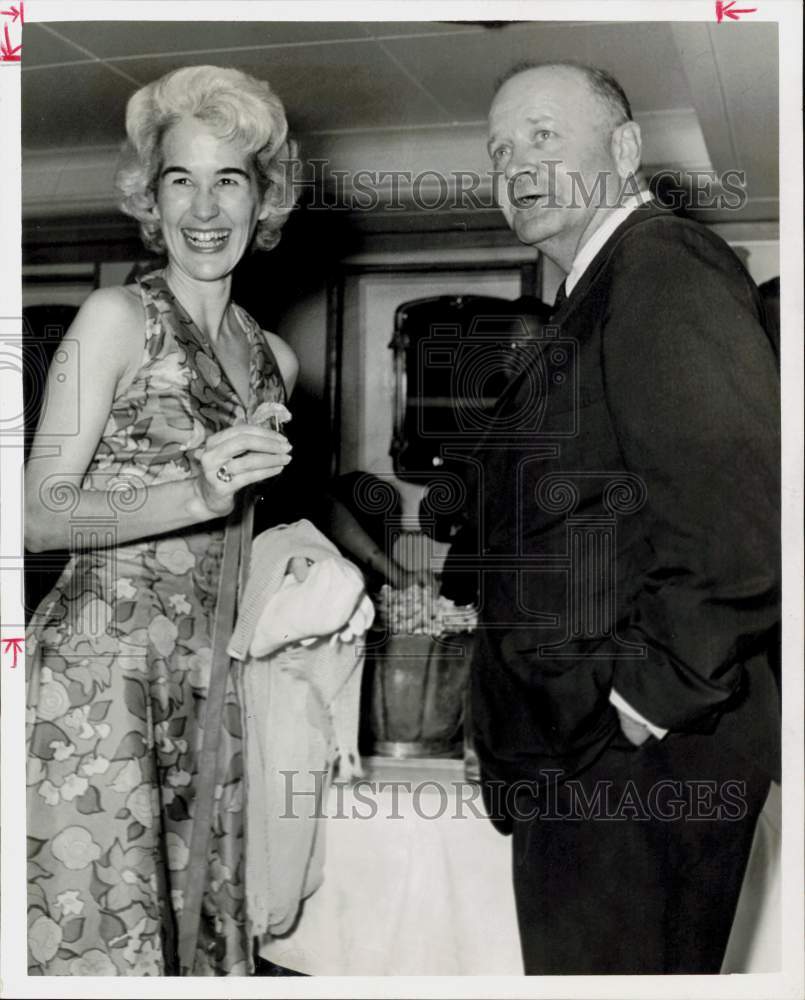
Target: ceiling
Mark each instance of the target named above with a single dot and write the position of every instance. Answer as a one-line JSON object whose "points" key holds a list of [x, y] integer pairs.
{"points": [[413, 93]]}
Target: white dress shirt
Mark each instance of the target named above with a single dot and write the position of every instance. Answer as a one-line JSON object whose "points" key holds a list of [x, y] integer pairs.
{"points": [[589, 249], [581, 262]]}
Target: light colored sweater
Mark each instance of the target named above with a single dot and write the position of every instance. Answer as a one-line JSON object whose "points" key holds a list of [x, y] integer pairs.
{"points": [[300, 707]]}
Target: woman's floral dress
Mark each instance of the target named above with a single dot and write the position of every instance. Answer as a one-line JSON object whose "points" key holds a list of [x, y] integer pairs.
{"points": [[118, 667]]}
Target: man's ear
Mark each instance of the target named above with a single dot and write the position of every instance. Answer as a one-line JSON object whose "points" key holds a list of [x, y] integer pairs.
{"points": [[627, 147]]}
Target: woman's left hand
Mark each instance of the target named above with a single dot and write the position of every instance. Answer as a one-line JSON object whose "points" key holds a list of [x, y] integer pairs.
{"points": [[236, 457]]}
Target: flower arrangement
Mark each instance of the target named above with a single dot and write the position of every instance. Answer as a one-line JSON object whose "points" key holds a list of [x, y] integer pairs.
{"points": [[419, 610]]}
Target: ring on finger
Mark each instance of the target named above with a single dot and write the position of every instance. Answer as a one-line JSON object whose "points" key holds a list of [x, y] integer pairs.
{"points": [[224, 474]]}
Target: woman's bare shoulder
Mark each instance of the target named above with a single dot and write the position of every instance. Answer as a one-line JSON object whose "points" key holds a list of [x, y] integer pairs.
{"points": [[114, 314], [120, 303], [111, 324]]}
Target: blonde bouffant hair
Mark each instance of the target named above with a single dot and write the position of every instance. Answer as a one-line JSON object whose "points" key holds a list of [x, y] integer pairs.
{"points": [[236, 107]]}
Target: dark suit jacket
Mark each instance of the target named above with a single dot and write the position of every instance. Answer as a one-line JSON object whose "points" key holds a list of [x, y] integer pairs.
{"points": [[629, 521]]}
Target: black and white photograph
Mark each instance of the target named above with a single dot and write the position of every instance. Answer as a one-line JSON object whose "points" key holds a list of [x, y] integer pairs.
{"points": [[401, 440]]}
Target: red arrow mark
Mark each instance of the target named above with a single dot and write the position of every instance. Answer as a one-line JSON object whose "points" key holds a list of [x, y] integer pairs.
{"points": [[7, 53], [14, 13], [15, 646], [725, 10]]}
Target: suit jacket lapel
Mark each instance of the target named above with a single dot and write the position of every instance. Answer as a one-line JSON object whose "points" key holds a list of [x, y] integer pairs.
{"points": [[641, 215]]}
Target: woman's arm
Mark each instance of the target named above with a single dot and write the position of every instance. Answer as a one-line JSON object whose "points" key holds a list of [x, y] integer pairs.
{"points": [[347, 531], [104, 348]]}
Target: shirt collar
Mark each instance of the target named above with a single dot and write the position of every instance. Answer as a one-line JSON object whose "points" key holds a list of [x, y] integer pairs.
{"points": [[585, 256]]}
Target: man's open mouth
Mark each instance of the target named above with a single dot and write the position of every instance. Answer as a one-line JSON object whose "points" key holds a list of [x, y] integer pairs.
{"points": [[206, 239], [528, 200]]}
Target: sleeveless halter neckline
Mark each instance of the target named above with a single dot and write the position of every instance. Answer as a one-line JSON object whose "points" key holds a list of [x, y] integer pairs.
{"points": [[264, 372]]}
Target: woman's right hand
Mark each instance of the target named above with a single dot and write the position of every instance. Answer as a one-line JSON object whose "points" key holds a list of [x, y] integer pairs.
{"points": [[248, 454]]}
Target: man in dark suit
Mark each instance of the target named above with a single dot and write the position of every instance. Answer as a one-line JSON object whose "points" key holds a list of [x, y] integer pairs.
{"points": [[624, 711]]}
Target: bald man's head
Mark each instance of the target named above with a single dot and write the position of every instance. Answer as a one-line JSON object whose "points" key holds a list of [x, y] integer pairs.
{"points": [[602, 87], [562, 143]]}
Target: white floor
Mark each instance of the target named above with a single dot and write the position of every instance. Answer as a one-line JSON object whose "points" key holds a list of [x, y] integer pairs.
{"points": [[754, 944], [405, 894]]}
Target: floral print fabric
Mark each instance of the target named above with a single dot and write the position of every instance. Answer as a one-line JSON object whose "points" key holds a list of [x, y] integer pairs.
{"points": [[118, 661]]}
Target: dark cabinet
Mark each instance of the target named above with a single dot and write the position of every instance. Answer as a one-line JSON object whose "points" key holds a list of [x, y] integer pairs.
{"points": [[453, 357]]}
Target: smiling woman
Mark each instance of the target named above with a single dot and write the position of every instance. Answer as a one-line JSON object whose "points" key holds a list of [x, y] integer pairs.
{"points": [[235, 107], [207, 202], [151, 496]]}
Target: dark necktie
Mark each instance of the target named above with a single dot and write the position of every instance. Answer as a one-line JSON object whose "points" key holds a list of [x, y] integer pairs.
{"points": [[561, 295]]}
